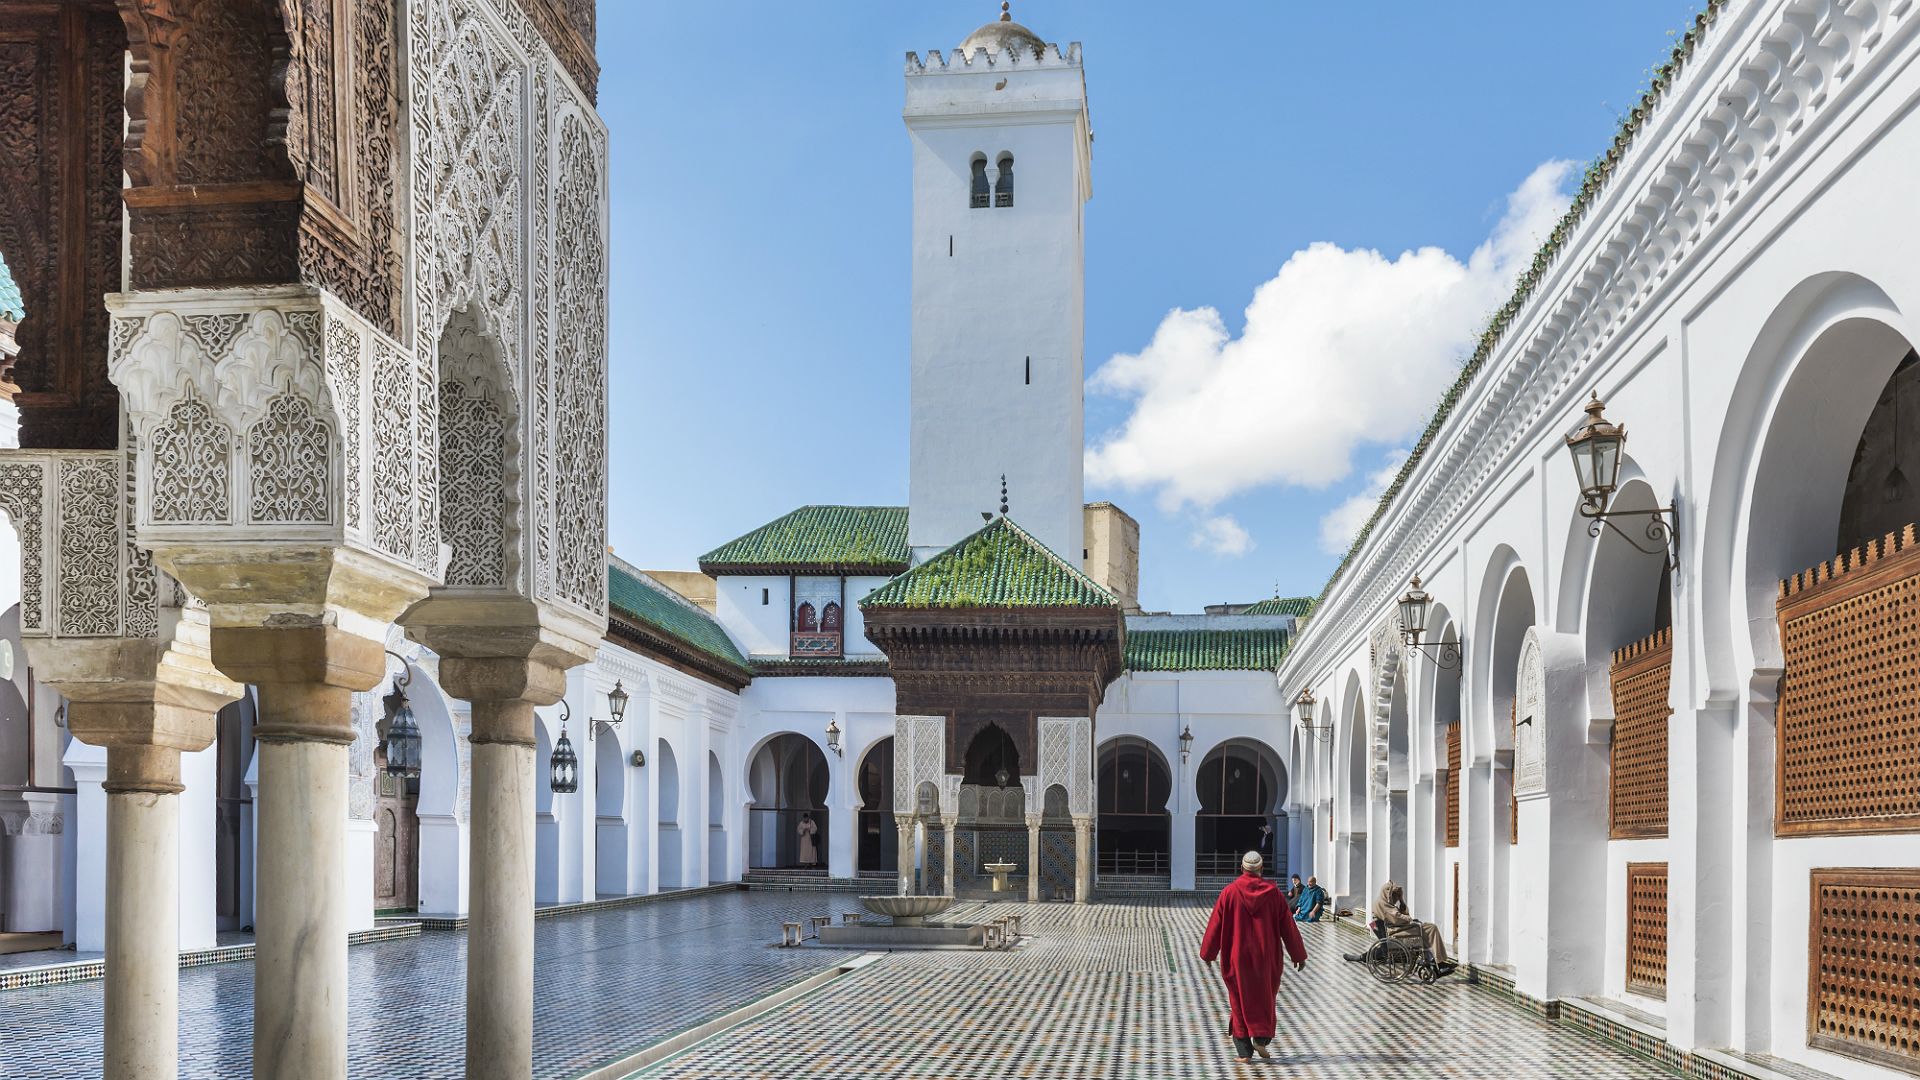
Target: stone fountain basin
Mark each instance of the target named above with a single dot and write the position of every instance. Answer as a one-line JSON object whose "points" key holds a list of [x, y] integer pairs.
{"points": [[1002, 867], [907, 910]]}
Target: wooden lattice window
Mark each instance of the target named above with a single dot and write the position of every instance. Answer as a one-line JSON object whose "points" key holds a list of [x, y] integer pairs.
{"points": [[1453, 785], [1863, 996], [1848, 748], [1647, 929], [1637, 789]]}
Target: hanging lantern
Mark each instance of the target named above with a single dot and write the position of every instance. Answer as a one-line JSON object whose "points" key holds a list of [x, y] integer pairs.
{"points": [[1303, 707], [565, 766], [833, 737], [1413, 612], [617, 702], [1186, 742], [1596, 445], [402, 731]]}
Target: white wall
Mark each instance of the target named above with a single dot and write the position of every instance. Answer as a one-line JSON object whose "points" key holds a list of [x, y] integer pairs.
{"points": [[1739, 320], [991, 288]]}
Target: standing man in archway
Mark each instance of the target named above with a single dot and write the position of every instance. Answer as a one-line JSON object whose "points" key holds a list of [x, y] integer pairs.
{"points": [[1249, 927]]}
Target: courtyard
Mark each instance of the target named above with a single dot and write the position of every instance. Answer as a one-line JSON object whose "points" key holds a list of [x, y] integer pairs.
{"points": [[1103, 990]]}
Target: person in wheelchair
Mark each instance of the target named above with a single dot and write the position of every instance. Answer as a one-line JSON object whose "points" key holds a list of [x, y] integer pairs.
{"points": [[1390, 911]]}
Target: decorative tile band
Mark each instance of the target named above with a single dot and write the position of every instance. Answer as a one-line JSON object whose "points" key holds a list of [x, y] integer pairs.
{"points": [[83, 970]]}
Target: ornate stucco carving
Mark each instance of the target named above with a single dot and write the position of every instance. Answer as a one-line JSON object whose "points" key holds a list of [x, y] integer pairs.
{"points": [[81, 574]]}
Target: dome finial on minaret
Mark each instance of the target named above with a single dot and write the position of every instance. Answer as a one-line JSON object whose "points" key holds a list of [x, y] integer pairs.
{"points": [[1006, 12]]}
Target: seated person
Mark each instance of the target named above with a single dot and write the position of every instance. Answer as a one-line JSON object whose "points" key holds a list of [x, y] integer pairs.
{"points": [[1390, 908], [1312, 903], [1294, 890]]}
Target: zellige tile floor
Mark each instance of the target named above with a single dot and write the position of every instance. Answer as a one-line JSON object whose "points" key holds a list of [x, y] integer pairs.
{"points": [[1104, 991]]}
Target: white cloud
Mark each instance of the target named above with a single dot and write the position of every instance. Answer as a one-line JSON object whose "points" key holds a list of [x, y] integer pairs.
{"points": [[1342, 523], [1222, 535], [1341, 348]]}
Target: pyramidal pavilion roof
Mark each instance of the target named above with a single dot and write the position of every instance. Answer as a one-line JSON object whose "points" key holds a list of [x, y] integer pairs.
{"points": [[854, 540], [1000, 566]]}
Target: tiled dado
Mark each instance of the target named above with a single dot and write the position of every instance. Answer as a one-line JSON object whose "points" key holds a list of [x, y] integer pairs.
{"points": [[82, 970], [549, 911]]}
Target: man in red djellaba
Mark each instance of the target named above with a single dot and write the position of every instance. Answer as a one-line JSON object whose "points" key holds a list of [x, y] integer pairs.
{"points": [[1249, 927]]}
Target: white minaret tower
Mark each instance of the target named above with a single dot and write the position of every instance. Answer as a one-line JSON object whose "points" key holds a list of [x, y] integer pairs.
{"points": [[1002, 157]]}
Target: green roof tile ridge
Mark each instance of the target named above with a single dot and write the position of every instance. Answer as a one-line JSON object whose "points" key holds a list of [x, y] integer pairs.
{"points": [[1206, 649], [1283, 605], [1597, 173], [821, 534], [631, 592], [970, 574]]}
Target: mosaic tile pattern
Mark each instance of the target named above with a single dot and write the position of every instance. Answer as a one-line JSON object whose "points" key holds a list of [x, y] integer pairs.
{"points": [[606, 983], [1118, 991]]}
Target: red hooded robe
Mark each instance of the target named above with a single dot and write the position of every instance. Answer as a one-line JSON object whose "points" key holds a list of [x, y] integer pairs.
{"points": [[1250, 925]]}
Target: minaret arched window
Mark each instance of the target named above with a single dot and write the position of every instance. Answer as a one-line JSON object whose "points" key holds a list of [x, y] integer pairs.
{"points": [[1003, 184], [981, 193]]}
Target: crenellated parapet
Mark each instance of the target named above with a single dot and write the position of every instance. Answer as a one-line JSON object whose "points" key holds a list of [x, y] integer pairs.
{"points": [[982, 59]]}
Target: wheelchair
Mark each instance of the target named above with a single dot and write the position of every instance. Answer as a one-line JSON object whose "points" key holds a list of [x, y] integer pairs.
{"points": [[1391, 960]]}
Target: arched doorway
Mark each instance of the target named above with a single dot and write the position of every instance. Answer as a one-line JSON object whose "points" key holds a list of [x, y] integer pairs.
{"points": [[1134, 829], [992, 822], [716, 821], [396, 851], [787, 826], [610, 815], [1240, 785], [879, 841], [669, 819]]}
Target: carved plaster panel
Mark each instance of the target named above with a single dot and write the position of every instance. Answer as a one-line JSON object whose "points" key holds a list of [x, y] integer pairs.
{"points": [[248, 409], [919, 757], [81, 574], [1066, 759]]}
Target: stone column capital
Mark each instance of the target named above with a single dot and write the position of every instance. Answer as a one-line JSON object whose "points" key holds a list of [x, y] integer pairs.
{"points": [[307, 673], [1033, 822]]}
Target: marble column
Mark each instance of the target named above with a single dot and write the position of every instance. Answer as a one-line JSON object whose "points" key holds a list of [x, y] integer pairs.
{"points": [[143, 912], [1033, 858], [503, 692], [306, 676], [1082, 858], [949, 823], [903, 824], [146, 700]]}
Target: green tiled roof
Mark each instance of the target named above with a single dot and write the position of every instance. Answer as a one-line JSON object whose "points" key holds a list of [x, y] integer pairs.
{"points": [[653, 605], [1300, 606], [830, 539], [11, 306], [1205, 650], [1000, 566]]}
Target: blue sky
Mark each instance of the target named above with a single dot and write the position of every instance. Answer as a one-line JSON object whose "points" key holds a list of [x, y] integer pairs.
{"points": [[761, 206]]}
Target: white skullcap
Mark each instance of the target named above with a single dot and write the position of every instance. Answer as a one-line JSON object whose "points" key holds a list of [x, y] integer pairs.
{"points": [[1251, 861]]}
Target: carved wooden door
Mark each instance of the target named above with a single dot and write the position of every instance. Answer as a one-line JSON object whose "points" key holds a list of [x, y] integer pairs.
{"points": [[396, 849]]}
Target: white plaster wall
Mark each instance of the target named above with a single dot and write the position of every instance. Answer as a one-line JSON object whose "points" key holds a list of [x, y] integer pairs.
{"points": [[991, 288], [759, 629], [1691, 353]]}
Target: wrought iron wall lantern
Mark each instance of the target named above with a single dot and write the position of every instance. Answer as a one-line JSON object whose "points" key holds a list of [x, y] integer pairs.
{"points": [[616, 707], [1597, 446], [564, 766], [403, 732], [833, 738], [1186, 742], [1413, 623], [1303, 710]]}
